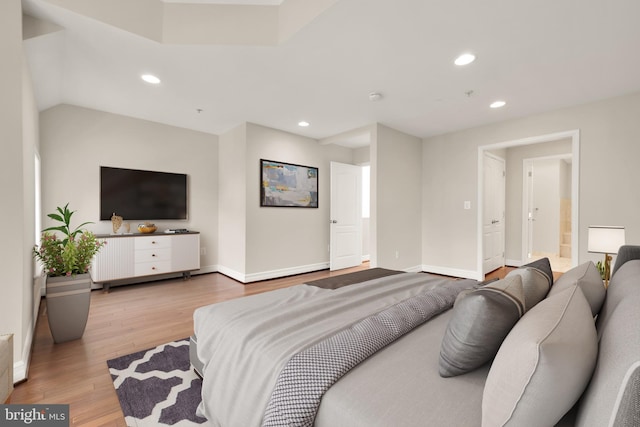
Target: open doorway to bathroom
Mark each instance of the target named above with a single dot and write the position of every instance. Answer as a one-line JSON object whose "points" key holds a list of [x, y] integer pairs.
{"points": [[547, 210]]}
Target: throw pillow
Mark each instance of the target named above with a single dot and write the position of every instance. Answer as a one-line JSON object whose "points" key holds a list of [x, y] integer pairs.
{"points": [[479, 323], [466, 292], [544, 364], [587, 277], [535, 283], [544, 265]]}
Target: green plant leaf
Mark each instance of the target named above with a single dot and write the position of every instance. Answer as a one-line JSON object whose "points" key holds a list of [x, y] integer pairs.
{"points": [[60, 228], [56, 217]]}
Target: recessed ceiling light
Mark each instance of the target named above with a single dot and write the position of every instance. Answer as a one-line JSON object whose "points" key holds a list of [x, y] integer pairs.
{"points": [[303, 124], [150, 78], [497, 104], [465, 59]]}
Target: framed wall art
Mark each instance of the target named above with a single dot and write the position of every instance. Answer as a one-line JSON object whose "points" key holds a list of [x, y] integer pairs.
{"points": [[288, 185]]}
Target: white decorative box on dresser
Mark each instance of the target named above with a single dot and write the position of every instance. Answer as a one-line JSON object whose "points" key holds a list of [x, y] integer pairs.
{"points": [[139, 255]]}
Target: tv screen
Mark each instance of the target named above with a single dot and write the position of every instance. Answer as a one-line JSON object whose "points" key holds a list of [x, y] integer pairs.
{"points": [[142, 195]]}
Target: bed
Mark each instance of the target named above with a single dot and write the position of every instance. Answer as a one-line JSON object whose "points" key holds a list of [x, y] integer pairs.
{"points": [[530, 352], [245, 349]]}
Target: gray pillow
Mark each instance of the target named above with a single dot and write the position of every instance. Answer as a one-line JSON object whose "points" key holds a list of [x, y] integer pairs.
{"points": [[544, 364], [480, 321], [587, 277], [535, 283], [544, 265]]}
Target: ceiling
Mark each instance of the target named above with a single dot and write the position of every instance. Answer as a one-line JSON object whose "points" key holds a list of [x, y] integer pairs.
{"points": [[537, 55]]}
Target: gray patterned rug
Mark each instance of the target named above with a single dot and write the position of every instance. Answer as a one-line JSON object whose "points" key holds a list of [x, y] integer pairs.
{"points": [[157, 386]]}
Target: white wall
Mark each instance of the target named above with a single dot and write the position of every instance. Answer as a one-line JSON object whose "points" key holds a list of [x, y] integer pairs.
{"points": [[76, 141], [232, 202], [609, 152], [362, 155], [396, 173], [19, 136], [282, 241]]}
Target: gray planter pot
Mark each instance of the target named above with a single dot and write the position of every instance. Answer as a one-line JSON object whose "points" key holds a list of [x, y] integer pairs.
{"points": [[68, 300]]}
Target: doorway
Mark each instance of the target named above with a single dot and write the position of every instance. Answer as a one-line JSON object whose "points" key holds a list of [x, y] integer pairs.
{"points": [[546, 210], [517, 234]]}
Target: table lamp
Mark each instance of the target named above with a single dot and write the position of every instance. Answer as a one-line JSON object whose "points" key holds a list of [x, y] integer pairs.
{"points": [[605, 240]]}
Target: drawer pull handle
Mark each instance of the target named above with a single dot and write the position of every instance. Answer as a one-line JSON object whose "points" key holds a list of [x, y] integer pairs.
{"points": [[153, 268], [153, 242], [153, 255]]}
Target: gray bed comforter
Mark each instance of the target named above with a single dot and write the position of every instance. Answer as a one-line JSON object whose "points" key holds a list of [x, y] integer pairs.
{"points": [[245, 343]]}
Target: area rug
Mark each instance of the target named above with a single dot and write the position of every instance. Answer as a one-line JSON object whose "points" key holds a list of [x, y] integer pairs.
{"points": [[158, 387], [336, 282]]}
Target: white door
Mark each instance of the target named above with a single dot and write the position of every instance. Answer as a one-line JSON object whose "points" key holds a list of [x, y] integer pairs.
{"points": [[493, 213], [346, 216]]}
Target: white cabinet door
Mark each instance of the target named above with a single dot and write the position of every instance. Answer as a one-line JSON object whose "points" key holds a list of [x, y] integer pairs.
{"points": [[115, 260], [185, 252]]}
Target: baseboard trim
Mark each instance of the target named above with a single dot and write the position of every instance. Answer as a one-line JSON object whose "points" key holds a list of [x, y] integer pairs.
{"points": [[235, 275], [414, 269], [284, 272], [271, 274], [454, 272], [513, 263], [21, 367]]}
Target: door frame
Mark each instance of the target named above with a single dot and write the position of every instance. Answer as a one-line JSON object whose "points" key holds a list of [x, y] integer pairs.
{"points": [[574, 135]]}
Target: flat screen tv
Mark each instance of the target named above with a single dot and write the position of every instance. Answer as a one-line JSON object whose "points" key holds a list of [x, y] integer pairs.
{"points": [[142, 195]]}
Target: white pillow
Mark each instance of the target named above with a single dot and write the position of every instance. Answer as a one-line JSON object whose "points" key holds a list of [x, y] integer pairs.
{"points": [[544, 364]]}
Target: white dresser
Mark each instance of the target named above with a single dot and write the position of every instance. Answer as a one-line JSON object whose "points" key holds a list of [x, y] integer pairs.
{"points": [[139, 255]]}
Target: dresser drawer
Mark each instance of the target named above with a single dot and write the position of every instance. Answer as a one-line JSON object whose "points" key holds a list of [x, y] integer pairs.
{"points": [[154, 254], [154, 267], [152, 242]]}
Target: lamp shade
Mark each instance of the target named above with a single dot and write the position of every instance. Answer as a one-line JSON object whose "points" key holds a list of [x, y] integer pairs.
{"points": [[605, 239]]}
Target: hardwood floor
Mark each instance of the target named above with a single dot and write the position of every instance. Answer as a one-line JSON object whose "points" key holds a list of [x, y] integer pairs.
{"points": [[128, 319]]}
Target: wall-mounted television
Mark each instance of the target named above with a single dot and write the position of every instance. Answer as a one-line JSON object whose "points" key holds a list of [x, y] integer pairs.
{"points": [[142, 195]]}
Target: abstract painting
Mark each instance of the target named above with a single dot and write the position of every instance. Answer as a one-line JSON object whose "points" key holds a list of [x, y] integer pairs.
{"points": [[288, 185]]}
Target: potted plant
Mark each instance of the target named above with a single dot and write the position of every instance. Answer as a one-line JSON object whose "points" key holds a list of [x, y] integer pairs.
{"points": [[66, 263]]}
